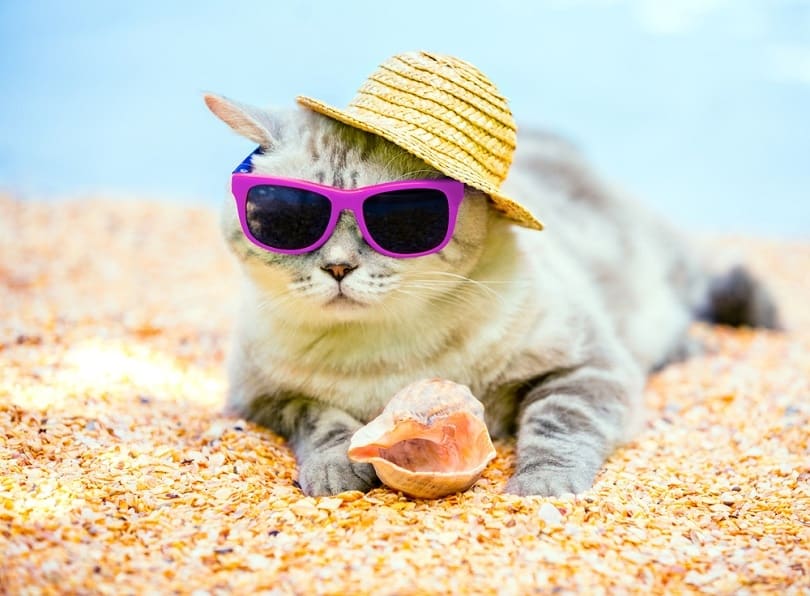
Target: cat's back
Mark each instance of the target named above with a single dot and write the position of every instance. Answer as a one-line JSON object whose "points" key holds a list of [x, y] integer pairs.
{"points": [[553, 177], [599, 240], [586, 223]]}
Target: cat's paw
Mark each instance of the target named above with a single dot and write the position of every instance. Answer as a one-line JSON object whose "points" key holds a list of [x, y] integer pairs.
{"points": [[330, 472], [550, 482]]}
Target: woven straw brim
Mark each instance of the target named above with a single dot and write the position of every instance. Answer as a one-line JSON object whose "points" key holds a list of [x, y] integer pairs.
{"points": [[435, 151]]}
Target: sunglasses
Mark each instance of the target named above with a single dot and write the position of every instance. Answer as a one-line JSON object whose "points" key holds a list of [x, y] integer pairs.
{"points": [[403, 219]]}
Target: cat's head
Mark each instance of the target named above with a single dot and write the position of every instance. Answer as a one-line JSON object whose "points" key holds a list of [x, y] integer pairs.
{"points": [[346, 280]]}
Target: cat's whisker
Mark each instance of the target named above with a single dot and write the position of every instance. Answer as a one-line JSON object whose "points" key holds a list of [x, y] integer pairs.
{"points": [[444, 297], [483, 284], [460, 280], [274, 302], [464, 278], [480, 281], [449, 299], [399, 292]]}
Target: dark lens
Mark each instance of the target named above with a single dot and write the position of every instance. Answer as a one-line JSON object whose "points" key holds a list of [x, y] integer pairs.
{"points": [[407, 221], [286, 218]]}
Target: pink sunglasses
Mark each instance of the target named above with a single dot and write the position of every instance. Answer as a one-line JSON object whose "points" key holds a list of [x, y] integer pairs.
{"points": [[403, 219]]}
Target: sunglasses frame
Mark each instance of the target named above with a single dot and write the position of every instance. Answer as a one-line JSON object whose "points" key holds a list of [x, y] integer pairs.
{"points": [[242, 180]]}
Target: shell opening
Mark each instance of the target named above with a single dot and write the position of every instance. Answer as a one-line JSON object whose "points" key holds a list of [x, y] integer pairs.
{"points": [[425, 455], [454, 445]]}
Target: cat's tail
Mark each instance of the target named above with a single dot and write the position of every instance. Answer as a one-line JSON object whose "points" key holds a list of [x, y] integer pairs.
{"points": [[737, 298]]}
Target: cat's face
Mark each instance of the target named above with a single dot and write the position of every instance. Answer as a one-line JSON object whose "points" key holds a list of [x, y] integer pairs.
{"points": [[345, 279]]}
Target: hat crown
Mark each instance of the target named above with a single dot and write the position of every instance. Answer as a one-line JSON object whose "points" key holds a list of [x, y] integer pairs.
{"points": [[453, 102], [444, 111]]}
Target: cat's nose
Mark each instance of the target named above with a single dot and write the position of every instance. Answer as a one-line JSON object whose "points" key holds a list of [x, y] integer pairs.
{"points": [[338, 270]]}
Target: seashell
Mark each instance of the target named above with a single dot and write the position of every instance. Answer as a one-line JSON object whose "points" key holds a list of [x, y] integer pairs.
{"points": [[430, 440]]}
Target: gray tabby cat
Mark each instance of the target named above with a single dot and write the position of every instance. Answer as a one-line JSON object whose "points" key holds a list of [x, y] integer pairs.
{"points": [[554, 331]]}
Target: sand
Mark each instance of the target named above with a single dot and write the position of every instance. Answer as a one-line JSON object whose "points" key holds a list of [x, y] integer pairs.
{"points": [[119, 474]]}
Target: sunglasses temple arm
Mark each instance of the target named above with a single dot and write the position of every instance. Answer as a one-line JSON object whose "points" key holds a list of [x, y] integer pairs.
{"points": [[247, 164]]}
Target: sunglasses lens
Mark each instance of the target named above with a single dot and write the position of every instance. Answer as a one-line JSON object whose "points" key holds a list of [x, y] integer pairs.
{"points": [[407, 221], [286, 218]]}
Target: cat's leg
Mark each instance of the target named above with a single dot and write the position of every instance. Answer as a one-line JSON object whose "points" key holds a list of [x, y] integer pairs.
{"points": [[319, 435], [570, 422]]}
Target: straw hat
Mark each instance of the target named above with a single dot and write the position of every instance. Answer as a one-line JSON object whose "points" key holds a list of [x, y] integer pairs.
{"points": [[444, 111]]}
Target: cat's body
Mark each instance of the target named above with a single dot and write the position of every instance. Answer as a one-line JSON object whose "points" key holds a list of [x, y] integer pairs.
{"points": [[554, 331]]}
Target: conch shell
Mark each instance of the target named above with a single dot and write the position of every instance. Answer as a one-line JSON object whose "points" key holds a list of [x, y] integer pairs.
{"points": [[429, 441]]}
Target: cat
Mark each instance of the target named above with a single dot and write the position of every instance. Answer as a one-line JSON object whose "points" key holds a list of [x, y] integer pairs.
{"points": [[554, 331]]}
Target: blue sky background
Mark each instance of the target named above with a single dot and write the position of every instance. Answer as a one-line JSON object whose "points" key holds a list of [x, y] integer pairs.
{"points": [[701, 107]]}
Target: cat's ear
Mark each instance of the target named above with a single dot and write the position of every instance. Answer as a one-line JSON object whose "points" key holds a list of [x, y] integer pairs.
{"points": [[249, 121]]}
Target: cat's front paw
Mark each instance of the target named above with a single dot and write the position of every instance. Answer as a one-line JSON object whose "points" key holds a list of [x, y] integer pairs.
{"points": [[330, 472], [550, 482]]}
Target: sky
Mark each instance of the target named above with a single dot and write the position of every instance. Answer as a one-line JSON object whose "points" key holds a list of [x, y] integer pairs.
{"points": [[699, 107]]}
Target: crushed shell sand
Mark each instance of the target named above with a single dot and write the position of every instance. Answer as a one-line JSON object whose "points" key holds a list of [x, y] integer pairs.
{"points": [[119, 475]]}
